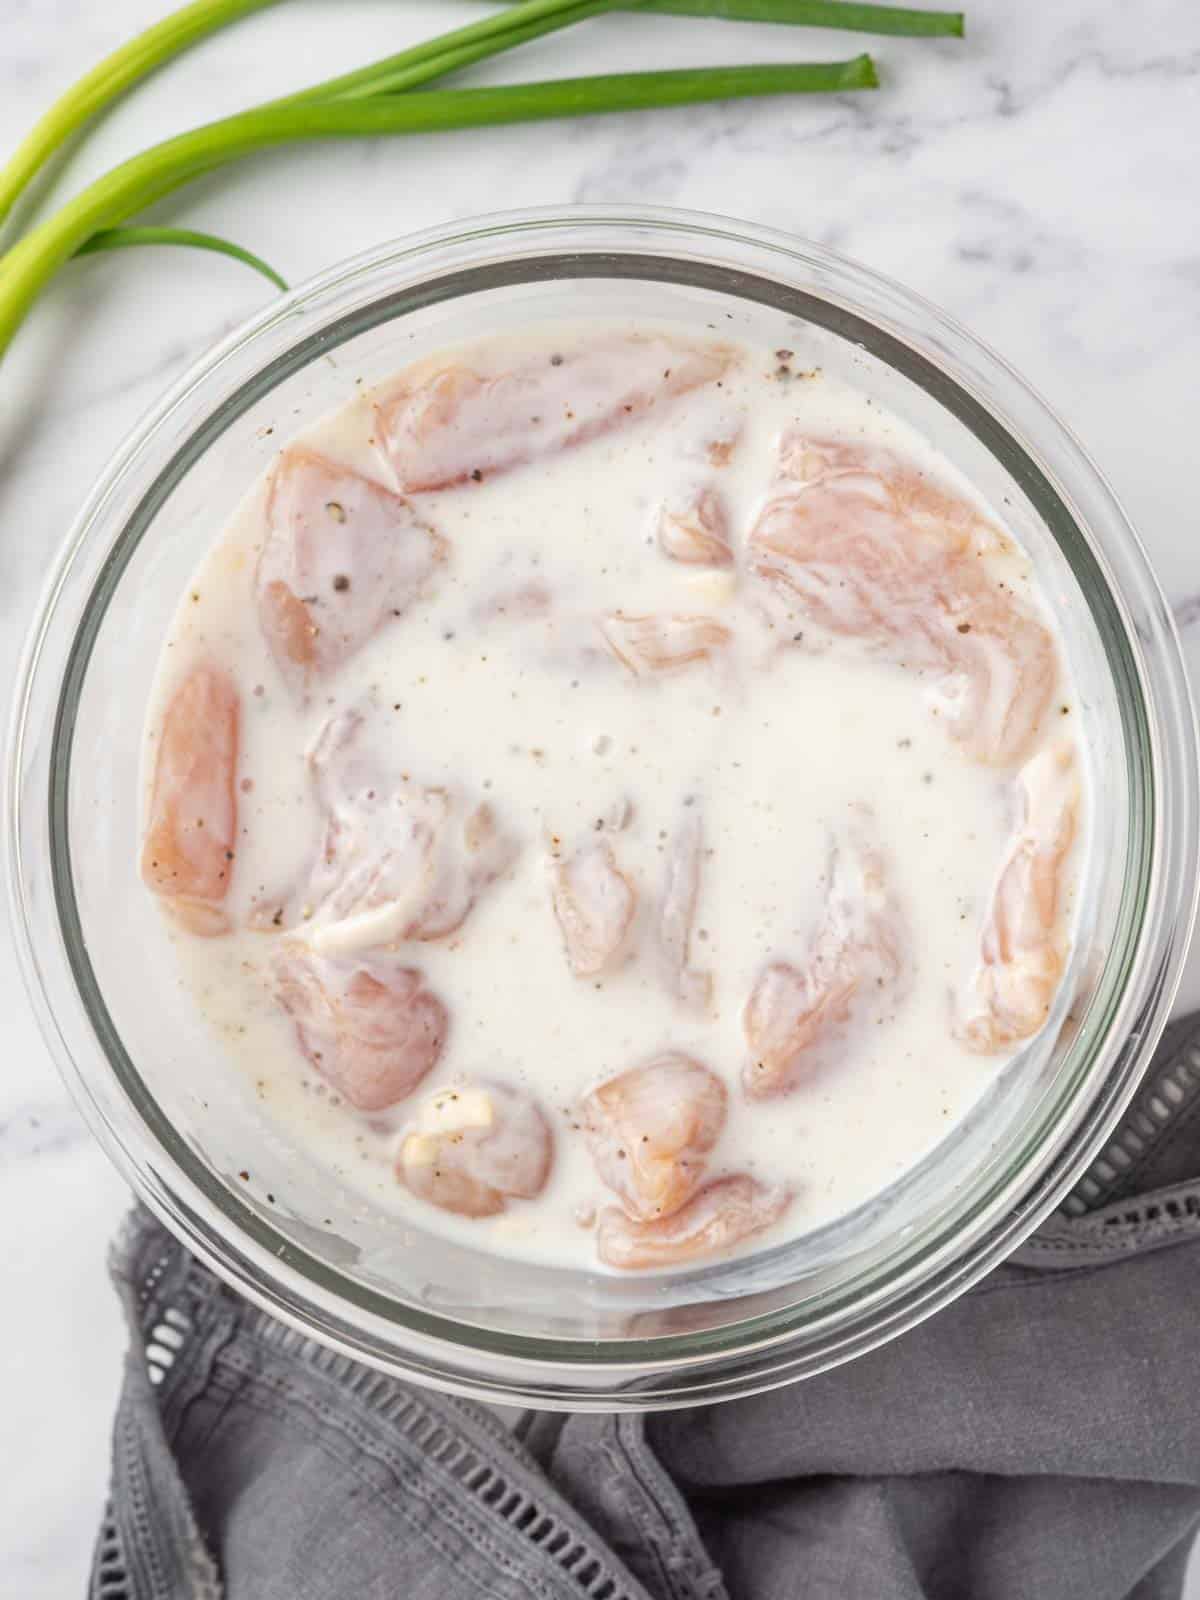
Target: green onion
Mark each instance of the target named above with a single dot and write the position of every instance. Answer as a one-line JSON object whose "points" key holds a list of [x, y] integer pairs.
{"points": [[822, 14], [131, 238], [135, 60], [165, 167], [109, 80], [461, 47]]}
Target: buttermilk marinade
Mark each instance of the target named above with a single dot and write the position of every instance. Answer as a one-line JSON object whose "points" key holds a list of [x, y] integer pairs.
{"points": [[616, 794]]}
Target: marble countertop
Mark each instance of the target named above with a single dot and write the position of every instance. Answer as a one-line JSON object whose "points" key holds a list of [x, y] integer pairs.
{"points": [[1038, 180]]}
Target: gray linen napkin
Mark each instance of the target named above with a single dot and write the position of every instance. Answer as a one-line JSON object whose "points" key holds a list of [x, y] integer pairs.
{"points": [[1039, 1437]]}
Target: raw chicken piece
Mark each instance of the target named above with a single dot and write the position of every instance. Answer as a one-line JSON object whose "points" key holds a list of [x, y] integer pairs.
{"points": [[651, 1129], [693, 528], [595, 904], [1024, 945], [475, 1146], [370, 1028], [400, 860], [664, 643], [724, 1213], [864, 545], [342, 554], [445, 425], [692, 985], [190, 840], [797, 1017]]}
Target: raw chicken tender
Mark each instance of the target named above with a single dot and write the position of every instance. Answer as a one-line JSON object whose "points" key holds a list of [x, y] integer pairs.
{"points": [[341, 556], [474, 1147], [651, 1130], [400, 860], [665, 643], [1024, 946], [693, 986], [799, 1017], [595, 904], [693, 528], [445, 425], [724, 1213], [371, 1028], [864, 545], [191, 835]]}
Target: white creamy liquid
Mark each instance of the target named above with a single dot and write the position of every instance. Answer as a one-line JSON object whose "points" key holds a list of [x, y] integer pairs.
{"points": [[774, 749]]}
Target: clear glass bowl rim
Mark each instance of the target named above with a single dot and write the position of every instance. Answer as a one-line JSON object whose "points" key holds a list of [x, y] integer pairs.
{"points": [[305, 1293]]}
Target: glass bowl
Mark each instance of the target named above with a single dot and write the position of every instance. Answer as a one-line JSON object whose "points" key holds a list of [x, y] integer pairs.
{"points": [[153, 1083]]}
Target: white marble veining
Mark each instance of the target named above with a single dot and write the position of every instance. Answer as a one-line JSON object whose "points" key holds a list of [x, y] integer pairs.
{"points": [[1038, 180]]}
